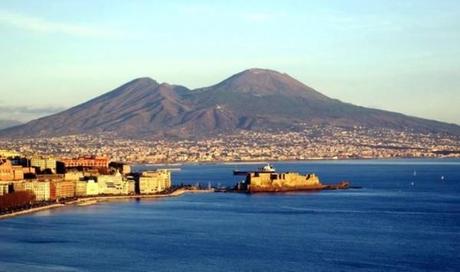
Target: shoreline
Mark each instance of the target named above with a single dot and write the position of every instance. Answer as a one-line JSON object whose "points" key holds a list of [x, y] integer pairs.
{"points": [[94, 200], [319, 160], [32, 210]]}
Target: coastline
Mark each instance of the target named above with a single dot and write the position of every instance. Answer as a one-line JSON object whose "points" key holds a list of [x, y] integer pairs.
{"points": [[86, 201], [316, 160], [181, 191], [33, 210]]}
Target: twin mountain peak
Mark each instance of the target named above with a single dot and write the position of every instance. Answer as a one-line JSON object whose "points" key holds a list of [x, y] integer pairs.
{"points": [[255, 99]]}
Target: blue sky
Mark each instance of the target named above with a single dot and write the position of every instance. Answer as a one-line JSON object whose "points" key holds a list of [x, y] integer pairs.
{"points": [[396, 55]]}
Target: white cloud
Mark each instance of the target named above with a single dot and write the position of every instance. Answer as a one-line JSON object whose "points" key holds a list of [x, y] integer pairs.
{"points": [[27, 113], [35, 24]]}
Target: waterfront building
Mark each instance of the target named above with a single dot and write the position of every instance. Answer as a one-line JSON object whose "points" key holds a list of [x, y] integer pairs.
{"points": [[122, 167], [4, 188], [62, 189], [6, 170], [41, 189], [80, 188], [9, 172], [154, 181], [86, 162], [43, 163], [112, 184], [92, 188], [73, 175], [271, 181], [18, 186], [131, 186], [93, 172], [50, 177]]}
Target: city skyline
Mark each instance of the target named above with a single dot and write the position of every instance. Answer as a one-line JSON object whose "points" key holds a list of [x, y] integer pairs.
{"points": [[397, 56]]}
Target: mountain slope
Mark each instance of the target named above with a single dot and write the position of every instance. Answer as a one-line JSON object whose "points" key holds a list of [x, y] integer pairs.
{"points": [[6, 123], [140, 102], [253, 99]]}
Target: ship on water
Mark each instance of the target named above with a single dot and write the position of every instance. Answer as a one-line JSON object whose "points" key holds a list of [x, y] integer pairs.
{"points": [[266, 179], [268, 168]]}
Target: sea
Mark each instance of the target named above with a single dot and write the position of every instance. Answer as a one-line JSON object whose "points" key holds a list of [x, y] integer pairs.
{"points": [[403, 215]]}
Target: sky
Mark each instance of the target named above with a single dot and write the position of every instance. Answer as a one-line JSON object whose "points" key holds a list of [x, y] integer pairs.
{"points": [[396, 55]]}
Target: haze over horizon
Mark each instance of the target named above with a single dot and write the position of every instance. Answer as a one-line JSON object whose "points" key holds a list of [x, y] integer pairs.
{"points": [[400, 55]]}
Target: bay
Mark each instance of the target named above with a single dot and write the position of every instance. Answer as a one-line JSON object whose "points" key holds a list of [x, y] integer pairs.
{"points": [[406, 217]]}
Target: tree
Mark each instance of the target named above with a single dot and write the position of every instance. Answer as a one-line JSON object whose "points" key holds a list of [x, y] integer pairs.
{"points": [[16, 200]]}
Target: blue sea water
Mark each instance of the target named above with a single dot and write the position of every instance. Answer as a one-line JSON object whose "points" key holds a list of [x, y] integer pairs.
{"points": [[404, 218]]}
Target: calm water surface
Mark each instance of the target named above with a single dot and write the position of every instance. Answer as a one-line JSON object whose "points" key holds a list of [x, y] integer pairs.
{"points": [[398, 221]]}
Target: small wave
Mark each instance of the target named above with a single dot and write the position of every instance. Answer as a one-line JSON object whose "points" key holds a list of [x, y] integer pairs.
{"points": [[43, 241], [310, 210], [14, 266]]}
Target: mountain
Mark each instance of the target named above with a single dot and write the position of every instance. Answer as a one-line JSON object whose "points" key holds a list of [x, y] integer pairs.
{"points": [[255, 99], [6, 123]]}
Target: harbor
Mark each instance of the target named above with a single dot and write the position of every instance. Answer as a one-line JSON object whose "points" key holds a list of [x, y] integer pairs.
{"points": [[254, 229], [158, 184]]}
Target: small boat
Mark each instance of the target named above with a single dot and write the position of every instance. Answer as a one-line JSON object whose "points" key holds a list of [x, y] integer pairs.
{"points": [[265, 169]]}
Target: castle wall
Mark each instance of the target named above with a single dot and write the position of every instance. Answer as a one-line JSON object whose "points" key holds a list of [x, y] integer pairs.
{"points": [[281, 182]]}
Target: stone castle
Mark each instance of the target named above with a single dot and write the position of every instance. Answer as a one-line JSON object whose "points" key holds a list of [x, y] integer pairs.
{"points": [[279, 182]]}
